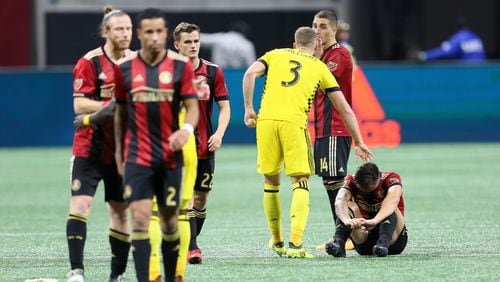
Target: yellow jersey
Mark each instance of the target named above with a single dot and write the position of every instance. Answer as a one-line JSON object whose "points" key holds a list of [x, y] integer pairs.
{"points": [[293, 76]]}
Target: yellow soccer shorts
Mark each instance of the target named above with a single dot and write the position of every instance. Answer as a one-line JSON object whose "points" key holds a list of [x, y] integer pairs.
{"points": [[282, 141]]}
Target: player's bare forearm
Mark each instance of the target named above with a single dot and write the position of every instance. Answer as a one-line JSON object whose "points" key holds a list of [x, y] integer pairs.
{"points": [[257, 69], [119, 128], [192, 112], [84, 105], [342, 206], [224, 117], [389, 204], [215, 141], [105, 113]]}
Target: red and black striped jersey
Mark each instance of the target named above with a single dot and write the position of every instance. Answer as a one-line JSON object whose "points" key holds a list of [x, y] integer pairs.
{"points": [[328, 121], [93, 78], [369, 203], [214, 77], [153, 95]]}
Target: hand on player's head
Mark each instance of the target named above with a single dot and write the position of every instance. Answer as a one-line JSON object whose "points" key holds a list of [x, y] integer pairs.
{"points": [[363, 152]]}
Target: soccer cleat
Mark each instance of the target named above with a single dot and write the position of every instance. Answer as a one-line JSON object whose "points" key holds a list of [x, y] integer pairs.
{"points": [[334, 249], [297, 252], [349, 245], [75, 275], [380, 251], [194, 256], [178, 278], [118, 278], [277, 247]]}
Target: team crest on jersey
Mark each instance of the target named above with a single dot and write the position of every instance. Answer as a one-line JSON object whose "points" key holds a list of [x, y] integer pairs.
{"points": [[77, 84], [332, 66], [393, 180], [76, 185], [165, 77], [127, 192]]}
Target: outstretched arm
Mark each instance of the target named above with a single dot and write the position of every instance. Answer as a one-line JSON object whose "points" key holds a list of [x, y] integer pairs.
{"points": [[339, 102]]}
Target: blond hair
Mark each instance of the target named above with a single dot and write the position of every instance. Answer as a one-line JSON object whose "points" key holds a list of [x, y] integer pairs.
{"points": [[305, 36], [109, 12]]}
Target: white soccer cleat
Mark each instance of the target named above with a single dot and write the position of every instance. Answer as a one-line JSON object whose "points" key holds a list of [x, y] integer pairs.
{"points": [[75, 275]]}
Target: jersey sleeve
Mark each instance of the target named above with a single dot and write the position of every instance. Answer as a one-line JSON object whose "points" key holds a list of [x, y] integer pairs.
{"points": [[84, 78], [265, 59], [392, 179], [337, 63], [220, 87], [328, 83], [187, 82], [120, 92], [348, 183]]}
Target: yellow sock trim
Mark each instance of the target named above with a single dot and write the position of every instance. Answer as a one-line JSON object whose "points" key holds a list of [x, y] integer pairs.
{"points": [[79, 217], [119, 235], [171, 237], [140, 235]]}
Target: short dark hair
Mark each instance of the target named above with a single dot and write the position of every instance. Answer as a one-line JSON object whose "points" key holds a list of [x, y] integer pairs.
{"points": [[184, 27], [150, 13], [330, 15], [366, 176]]}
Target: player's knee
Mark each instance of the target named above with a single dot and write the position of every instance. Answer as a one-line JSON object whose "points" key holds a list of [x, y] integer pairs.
{"points": [[200, 199], [80, 205]]}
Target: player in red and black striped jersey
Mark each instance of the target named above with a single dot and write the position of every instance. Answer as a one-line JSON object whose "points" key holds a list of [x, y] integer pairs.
{"points": [[208, 140], [375, 218], [149, 90], [93, 147], [332, 139]]}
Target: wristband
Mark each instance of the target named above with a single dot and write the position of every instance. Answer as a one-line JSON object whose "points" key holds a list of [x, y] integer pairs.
{"points": [[188, 127], [86, 120]]}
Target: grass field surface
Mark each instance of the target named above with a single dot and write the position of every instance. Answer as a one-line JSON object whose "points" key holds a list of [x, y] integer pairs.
{"points": [[452, 212]]}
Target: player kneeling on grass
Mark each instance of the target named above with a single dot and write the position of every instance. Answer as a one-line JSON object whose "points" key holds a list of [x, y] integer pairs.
{"points": [[374, 220]]}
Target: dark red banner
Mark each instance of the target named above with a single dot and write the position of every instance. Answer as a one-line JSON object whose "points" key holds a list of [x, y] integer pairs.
{"points": [[15, 32]]}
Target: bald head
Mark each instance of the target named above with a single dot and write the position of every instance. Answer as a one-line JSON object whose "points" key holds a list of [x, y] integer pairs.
{"points": [[305, 37]]}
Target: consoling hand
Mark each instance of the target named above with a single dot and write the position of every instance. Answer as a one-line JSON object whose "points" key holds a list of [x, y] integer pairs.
{"points": [[363, 152]]}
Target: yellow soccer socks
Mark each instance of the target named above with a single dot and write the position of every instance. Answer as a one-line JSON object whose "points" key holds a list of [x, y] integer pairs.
{"points": [[299, 211], [272, 210]]}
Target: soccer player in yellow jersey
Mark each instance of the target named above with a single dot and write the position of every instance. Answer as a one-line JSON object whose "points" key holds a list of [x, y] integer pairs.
{"points": [[293, 76]]}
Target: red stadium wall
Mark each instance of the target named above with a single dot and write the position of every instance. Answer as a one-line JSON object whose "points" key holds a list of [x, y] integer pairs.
{"points": [[15, 32]]}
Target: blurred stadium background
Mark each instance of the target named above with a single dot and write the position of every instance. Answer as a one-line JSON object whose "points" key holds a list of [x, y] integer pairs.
{"points": [[447, 102]]}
